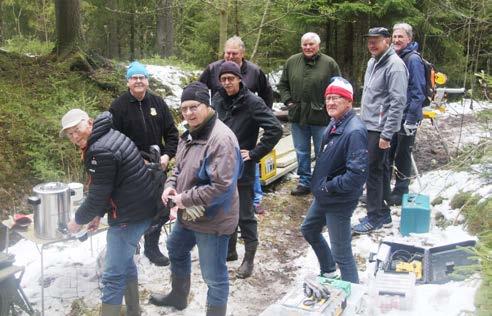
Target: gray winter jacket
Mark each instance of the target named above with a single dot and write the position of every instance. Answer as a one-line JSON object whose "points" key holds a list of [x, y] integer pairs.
{"points": [[385, 94]]}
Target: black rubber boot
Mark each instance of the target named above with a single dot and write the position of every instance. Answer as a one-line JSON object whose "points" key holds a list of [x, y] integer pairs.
{"points": [[216, 310], [178, 297], [132, 298], [246, 268], [152, 251], [231, 251]]}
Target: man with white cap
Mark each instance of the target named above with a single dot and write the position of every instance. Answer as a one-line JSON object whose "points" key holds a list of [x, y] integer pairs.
{"points": [[338, 177], [120, 185]]}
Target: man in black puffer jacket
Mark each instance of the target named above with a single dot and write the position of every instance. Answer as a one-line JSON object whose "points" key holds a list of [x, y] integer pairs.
{"points": [[121, 185], [244, 113]]}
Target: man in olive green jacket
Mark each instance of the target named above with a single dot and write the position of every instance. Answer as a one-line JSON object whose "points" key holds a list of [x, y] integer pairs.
{"points": [[304, 79]]}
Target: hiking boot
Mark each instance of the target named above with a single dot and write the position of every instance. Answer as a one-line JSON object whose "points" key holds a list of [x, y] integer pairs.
{"points": [[386, 220], [231, 249], [178, 297], [395, 199], [246, 269], [216, 310], [152, 250], [300, 190], [372, 224], [331, 275]]}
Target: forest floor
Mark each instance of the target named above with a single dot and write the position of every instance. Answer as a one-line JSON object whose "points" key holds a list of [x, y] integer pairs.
{"points": [[71, 273]]}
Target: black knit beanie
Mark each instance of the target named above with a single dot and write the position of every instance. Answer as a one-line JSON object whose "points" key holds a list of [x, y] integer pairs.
{"points": [[196, 91], [230, 67]]}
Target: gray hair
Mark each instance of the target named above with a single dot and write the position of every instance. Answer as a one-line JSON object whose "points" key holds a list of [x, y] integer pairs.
{"points": [[235, 41], [311, 36], [407, 28]]}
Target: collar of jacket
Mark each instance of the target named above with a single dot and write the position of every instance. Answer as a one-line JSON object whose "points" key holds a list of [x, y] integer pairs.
{"points": [[202, 132], [411, 47], [234, 101], [133, 99], [384, 57], [341, 123], [102, 125], [312, 60]]}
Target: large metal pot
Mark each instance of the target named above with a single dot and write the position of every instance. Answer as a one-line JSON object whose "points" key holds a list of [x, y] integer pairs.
{"points": [[51, 208]]}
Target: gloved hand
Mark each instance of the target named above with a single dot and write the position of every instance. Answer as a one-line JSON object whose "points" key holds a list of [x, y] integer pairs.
{"points": [[410, 129], [193, 212], [313, 289]]}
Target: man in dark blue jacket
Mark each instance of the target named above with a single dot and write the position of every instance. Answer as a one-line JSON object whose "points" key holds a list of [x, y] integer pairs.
{"points": [[403, 141], [339, 175], [119, 184]]}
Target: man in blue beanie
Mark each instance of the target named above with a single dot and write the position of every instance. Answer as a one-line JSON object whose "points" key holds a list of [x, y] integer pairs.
{"points": [[145, 118]]}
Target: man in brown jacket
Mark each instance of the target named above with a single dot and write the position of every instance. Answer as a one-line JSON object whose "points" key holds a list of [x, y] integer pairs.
{"points": [[203, 189]]}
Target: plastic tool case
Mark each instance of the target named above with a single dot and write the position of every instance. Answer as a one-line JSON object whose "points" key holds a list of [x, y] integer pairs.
{"points": [[437, 262]]}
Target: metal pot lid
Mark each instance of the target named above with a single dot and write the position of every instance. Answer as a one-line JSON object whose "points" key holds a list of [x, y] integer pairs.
{"points": [[50, 187]]}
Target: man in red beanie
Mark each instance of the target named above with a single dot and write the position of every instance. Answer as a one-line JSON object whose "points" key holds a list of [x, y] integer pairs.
{"points": [[338, 177]]}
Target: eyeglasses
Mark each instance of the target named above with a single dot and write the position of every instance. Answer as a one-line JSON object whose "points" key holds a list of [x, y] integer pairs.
{"points": [[191, 108], [77, 129], [227, 78], [137, 78], [334, 98]]}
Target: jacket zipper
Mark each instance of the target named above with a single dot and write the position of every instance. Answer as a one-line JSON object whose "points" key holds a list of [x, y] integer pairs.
{"points": [[143, 117]]}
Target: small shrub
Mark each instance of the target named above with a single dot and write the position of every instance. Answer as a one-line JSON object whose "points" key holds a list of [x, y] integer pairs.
{"points": [[438, 200], [460, 199]]}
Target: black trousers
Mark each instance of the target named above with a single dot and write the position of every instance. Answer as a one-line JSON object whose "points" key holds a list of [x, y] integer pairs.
{"points": [[247, 219], [401, 157], [378, 180]]}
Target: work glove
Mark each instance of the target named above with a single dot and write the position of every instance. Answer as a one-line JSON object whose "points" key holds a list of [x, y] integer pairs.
{"points": [[314, 290], [193, 212], [410, 129]]}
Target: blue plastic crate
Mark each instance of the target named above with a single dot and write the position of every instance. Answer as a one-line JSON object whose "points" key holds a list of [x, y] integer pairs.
{"points": [[415, 214]]}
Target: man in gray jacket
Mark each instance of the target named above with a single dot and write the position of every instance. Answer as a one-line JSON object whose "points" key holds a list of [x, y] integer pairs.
{"points": [[383, 101]]}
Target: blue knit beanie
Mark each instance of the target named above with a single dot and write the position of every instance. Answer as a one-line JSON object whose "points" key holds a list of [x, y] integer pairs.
{"points": [[136, 68]]}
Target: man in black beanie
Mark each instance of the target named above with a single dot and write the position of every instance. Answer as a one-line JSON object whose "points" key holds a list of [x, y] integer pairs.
{"points": [[203, 188], [245, 113]]}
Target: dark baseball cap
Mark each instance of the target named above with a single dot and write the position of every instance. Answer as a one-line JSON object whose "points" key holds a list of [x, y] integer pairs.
{"points": [[378, 31]]}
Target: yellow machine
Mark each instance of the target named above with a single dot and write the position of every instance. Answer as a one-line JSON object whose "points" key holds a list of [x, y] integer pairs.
{"points": [[415, 266], [268, 166]]}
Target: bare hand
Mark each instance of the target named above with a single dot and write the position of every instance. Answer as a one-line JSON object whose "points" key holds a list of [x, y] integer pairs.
{"points": [[245, 154], [164, 162], [94, 224], [167, 193], [177, 201], [384, 144], [73, 227]]}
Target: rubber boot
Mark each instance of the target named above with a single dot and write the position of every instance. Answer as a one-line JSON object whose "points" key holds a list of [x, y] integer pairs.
{"points": [[231, 251], [110, 310], [152, 249], [216, 310], [246, 268], [178, 297], [132, 298]]}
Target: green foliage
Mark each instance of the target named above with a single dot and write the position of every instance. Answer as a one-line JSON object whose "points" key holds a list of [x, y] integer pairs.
{"points": [[169, 61], [28, 46], [460, 199], [483, 298], [477, 214]]}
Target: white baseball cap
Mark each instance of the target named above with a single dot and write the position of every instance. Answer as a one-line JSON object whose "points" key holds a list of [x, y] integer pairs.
{"points": [[71, 119]]}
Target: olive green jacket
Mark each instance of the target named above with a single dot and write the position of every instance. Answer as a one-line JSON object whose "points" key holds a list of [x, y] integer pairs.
{"points": [[303, 83]]}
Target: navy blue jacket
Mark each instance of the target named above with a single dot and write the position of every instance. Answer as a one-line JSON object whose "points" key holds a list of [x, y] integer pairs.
{"points": [[341, 167], [416, 83]]}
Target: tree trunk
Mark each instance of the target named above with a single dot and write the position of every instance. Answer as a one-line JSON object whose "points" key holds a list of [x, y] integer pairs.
{"points": [[223, 18], [132, 34], [161, 28], [1, 23], [348, 55], [169, 47], [258, 37], [67, 14], [113, 36]]}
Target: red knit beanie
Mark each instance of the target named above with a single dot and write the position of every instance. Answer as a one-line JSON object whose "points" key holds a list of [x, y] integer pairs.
{"points": [[341, 87]]}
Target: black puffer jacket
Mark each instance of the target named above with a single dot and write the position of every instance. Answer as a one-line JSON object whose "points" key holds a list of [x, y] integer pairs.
{"points": [[244, 114], [120, 184]]}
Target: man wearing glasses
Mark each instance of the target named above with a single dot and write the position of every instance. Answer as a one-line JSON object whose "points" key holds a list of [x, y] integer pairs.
{"points": [[245, 113], [203, 187], [383, 101], [146, 120]]}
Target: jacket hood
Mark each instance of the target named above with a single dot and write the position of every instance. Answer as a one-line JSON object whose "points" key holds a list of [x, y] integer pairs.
{"points": [[102, 124], [413, 46]]}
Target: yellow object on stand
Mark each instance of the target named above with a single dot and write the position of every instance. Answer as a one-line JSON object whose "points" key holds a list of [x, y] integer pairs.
{"points": [[268, 166]]}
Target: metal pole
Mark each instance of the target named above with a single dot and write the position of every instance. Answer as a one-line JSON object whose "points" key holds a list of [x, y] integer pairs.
{"points": [[42, 281], [414, 165]]}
